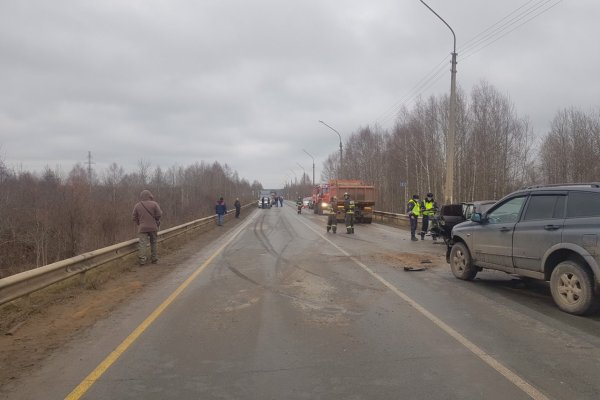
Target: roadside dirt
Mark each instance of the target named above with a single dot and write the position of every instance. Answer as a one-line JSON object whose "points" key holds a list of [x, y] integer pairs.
{"points": [[401, 260], [31, 331]]}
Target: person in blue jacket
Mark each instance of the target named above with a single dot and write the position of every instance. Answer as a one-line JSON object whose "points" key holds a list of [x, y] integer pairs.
{"points": [[220, 210]]}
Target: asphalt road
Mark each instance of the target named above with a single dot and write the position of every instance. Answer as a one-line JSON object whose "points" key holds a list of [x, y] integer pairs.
{"points": [[279, 309]]}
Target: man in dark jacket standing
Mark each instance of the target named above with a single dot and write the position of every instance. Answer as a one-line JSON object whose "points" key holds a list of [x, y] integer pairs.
{"points": [[238, 207], [220, 210], [146, 215]]}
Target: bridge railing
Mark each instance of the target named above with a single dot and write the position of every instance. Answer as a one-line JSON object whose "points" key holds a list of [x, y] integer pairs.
{"points": [[24, 283], [400, 220], [27, 282]]}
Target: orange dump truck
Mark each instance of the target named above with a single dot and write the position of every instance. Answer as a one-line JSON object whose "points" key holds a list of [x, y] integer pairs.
{"points": [[362, 194]]}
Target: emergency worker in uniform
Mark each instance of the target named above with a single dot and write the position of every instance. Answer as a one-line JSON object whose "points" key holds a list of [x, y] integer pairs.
{"points": [[429, 209], [413, 209], [332, 215], [349, 209]]}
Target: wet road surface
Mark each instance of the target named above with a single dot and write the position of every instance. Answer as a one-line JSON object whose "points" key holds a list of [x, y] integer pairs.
{"points": [[279, 309]]}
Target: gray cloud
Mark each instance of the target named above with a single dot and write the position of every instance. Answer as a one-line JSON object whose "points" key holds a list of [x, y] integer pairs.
{"points": [[244, 83]]}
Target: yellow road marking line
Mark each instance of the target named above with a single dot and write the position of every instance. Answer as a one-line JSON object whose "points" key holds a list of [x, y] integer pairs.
{"points": [[95, 375], [488, 359]]}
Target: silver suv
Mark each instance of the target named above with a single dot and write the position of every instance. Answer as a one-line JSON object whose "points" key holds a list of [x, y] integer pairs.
{"points": [[547, 232]]}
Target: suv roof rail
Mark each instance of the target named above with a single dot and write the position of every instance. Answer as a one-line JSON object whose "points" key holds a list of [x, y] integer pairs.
{"points": [[590, 184]]}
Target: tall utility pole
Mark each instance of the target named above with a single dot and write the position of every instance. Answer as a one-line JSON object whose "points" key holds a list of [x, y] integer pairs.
{"points": [[303, 173], [295, 180], [313, 181], [340, 136], [450, 153], [89, 171]]}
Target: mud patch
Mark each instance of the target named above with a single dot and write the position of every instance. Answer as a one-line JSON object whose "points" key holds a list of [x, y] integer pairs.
{"points": [[316, 299], [240, 303], [411, 260]]}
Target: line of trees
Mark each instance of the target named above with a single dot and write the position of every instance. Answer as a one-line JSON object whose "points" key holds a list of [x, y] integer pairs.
{"points": [[571, 150], [46, 218], [495, 150]]}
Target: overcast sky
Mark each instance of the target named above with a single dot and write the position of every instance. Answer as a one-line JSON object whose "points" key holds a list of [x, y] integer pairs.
{"points": [[245, 82]]}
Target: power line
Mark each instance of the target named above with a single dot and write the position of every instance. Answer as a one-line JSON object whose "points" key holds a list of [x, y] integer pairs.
{"points": [[394, 106], [483, 43], [433, 74], [426, 86], [485, 38], [476, 37]]}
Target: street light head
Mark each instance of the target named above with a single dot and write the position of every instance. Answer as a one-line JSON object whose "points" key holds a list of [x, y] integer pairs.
{"points": [[310, 155]]}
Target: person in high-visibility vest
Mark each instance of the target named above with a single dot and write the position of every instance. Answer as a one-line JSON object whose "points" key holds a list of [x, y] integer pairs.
{"points": [[349, 209], [429, 209], [413, 209], [332, 215]]}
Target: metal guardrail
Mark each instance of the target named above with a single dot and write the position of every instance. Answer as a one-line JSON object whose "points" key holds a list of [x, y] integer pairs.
{"points": [[400, 220], [27, 282], [24, 283]]}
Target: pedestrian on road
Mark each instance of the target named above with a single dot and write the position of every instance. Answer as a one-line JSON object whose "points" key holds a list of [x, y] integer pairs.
{"points": [[238, 207], [147, 214], [429, 209], [281, 201], [220, 210], [413, 209], [349, 210]]}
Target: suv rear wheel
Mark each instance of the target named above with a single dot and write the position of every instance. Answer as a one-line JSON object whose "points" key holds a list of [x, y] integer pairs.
{"points": [[572, 288], [460, 262]]}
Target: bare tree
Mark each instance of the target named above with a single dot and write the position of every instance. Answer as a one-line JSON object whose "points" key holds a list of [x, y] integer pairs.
{"points": [[569, 152], [46, 219], [143, 171]]}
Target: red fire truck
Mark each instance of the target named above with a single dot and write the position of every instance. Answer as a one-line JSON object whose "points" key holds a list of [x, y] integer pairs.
{"points": [[362, 194]]}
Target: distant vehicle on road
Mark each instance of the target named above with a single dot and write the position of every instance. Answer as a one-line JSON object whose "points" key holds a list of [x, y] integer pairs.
{"points": [[266, 201], [360, 192]]}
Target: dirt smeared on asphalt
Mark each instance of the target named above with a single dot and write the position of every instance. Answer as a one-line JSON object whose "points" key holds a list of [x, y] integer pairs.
{"points": [[31, 330], [401, 260]]}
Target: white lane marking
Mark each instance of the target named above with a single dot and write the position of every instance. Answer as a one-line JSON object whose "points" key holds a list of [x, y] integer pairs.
{"points": [[491, 361]]}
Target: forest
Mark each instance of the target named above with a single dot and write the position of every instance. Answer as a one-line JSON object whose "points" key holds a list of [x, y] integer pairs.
{"points": [[45, 217], [496, 151]]}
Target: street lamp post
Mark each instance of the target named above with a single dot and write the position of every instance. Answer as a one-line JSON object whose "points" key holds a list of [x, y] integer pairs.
{"points": [[313, 181], [296, 176], [286, 184], [449, 184], [303, 171], [340, 136]]}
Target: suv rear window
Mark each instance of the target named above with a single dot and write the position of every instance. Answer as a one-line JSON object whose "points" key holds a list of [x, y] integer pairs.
{"points": [[583, 204]]}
